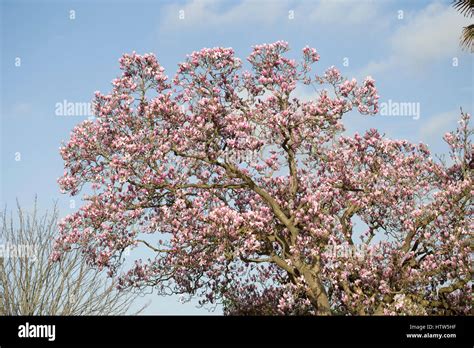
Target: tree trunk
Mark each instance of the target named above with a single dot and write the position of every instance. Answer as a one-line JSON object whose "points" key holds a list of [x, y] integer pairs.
{"points": [[316, 292]]}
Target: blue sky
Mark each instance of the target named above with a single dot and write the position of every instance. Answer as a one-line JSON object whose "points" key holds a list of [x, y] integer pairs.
{"points": [[409, 47]]}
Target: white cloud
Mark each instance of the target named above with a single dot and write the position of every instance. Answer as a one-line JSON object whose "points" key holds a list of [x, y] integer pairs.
{"points": [[430, 35], [204, 14], [20, 109], [304, 93], [330, 14], [437, 125], [345, 12]]}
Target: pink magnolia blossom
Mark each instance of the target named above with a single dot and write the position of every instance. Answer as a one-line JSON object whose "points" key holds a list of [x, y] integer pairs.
{"points": [[241, 191]]}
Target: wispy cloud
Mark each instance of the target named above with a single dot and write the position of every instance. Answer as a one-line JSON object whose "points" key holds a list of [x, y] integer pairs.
{"points": [[345, 12], [436, 126], [206, 14], [333, 14], [19, 109], [429, 35]]}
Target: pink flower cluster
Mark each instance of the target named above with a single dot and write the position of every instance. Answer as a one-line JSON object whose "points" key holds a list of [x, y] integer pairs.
{"points": [[241, 191]]}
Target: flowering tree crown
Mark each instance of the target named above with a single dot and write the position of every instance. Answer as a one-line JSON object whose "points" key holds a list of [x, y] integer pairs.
{"points": [[248, 196]]}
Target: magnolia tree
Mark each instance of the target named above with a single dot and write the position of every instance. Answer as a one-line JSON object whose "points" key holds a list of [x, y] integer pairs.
{"points": [[250, 197]]}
